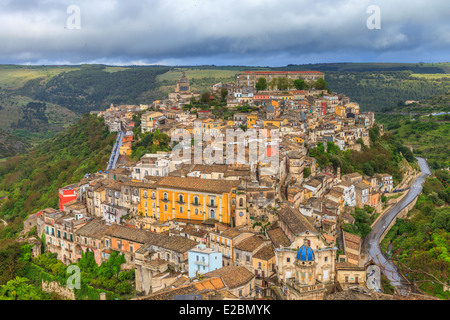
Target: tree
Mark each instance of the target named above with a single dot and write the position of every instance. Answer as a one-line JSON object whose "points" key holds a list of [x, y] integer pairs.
{"points": [[283, 83], [300, 84], [306, 172], [87, 262], [320, 84], [111, 268], [223, 94], [205, 98], [19, 289], [368, 169], [261, 84]]}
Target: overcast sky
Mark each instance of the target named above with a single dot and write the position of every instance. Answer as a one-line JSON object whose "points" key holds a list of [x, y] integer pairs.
{"points": [[222, 32]]}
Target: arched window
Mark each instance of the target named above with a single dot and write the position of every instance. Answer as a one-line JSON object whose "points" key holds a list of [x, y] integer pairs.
{"points": [[180, 198], [165, 207], [166, 196], [241, 202], [196, 211], [195, 199]]}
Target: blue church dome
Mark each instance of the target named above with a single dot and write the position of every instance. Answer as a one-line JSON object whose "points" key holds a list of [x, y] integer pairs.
{"points": [[305, 253]]}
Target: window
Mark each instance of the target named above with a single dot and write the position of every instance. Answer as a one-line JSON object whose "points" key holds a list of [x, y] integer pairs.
{"points": [[326, 259], [196, 200], [165, 207], [166, 196], [241, 202], [181, 209], [196, 211], [145, 194], [180, 198], [288, 260]]}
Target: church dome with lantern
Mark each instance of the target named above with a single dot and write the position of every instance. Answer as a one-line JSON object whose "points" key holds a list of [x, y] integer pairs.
{"points": [[305, 253]]}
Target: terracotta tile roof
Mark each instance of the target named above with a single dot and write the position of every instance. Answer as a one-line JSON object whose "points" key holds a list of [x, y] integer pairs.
{"points": [[93, 229], [283, 72], [179, 244], [232, 276], [135, 235], [197, 184], [204, 288], [278, 238], [265, 253], [250, 244], [213, 283], [352, 238], [230, 233], [295, 221]]}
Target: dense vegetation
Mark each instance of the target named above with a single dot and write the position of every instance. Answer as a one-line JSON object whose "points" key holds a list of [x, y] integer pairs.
{"points": [[150, 143], [32, 180], [428, 135], [420, 245], [11, 145], [375, 91], [382, 157], [363, 221], [93, 88], [21, 275]]}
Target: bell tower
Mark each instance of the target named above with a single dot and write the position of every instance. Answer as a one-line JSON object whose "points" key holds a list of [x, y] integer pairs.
{"points": [[241, 215]]}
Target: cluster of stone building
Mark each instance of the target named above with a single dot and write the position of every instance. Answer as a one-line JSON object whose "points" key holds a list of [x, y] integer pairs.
{"points": [[229, 229]]}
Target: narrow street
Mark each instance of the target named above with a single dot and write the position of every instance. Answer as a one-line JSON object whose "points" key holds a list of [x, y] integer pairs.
{"points": [[371, 246]]}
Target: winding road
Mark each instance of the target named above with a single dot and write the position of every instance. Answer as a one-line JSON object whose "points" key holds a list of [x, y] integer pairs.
{"points": [[371, 245]]}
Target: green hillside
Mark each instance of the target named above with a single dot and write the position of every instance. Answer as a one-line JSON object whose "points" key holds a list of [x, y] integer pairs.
{"points": [[32, 180], [11, 145], [416, 127]]}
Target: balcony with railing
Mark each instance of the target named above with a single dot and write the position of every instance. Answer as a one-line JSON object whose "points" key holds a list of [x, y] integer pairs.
{"points": [[201, 263]]}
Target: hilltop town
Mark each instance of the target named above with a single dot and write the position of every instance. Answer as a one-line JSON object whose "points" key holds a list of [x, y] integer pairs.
{"points": [[227, 230]]}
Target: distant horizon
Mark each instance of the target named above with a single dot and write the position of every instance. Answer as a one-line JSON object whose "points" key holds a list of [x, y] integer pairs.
{"points": [[212, 65]]}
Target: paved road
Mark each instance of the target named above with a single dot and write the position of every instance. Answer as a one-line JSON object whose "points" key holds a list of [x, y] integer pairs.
{"points": [[371, 242]]}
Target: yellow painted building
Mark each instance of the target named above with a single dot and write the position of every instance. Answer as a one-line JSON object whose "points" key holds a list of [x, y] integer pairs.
{"points": [[339, 110], [189, 198], [299, 140], [251, 121], [306, 194], [275, 122]]}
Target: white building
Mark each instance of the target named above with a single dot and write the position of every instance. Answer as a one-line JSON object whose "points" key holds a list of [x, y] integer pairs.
{"points": [[151, 165], [203, 260]]}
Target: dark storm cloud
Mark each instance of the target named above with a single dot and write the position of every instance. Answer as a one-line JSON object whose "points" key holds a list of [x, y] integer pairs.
{"points": [[258, 32]]}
